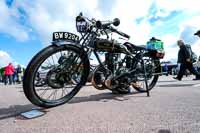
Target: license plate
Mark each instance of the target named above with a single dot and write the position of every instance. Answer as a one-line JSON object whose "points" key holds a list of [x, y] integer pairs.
{"points": [[65, 36]]}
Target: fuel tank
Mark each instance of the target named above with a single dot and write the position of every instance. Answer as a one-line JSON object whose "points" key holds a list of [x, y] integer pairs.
{"points": [[104, 45]]}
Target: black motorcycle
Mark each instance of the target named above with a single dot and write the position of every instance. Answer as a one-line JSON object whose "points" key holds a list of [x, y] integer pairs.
{"points": [[66, 64]]}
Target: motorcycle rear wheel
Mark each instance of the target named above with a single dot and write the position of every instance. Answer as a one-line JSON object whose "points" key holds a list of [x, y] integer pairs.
{"points": [[140, 85]]}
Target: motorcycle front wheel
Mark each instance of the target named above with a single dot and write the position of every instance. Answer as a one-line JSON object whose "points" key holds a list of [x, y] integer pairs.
{"points": [[65, 70]]}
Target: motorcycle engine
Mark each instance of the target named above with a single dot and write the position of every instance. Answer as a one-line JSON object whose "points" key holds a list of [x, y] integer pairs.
{"points": [[105, 77]]}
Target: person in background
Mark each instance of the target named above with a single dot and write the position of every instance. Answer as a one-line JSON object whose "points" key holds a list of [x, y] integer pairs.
{"points": [[14, 77], [197, 64], [166, 69], [19, 74], [185, 61], [9, 71], [2, 74]]}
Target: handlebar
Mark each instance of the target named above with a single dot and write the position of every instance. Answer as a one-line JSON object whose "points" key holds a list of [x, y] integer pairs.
{"points": [[119, 32], [105, 24], [123, 34]]}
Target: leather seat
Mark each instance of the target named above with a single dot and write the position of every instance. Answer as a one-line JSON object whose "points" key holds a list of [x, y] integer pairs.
{"points": [[135, 47]]}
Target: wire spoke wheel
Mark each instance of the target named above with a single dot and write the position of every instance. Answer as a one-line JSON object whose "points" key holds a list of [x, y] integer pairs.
{"points": [[152, 72], [59, 82], [56, 76]]}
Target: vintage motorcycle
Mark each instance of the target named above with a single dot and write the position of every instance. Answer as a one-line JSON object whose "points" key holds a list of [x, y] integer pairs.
{"points": [[65, 64]]}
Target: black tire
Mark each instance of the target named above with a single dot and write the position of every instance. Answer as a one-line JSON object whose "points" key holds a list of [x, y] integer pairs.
{"points": [[36, 62], [153, 81]]}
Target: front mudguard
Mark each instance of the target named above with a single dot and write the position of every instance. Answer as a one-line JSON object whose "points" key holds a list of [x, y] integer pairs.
{"points": [[73, 44]]}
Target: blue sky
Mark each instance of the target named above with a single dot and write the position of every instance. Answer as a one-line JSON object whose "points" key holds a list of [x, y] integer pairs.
{"points": [[26, 26]]}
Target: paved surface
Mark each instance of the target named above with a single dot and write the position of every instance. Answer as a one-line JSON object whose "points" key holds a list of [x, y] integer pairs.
{"points": [[174, 106]]}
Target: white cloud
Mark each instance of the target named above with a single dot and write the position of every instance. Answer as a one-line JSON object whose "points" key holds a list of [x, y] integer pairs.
{"points": [[4, 58], [130, 10], [169, 40], [171, 50], [49, 16], [160, 13], [9, 24], [175, 5]]}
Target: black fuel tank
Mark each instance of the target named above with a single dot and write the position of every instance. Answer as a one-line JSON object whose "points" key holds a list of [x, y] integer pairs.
{"points": [[105, 45]]}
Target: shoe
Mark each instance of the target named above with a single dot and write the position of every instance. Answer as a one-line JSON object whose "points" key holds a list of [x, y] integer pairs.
{"points": [[176, 78]]}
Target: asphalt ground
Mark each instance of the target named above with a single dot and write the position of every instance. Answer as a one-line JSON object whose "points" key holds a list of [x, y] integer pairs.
{"points": [[173, 107]]}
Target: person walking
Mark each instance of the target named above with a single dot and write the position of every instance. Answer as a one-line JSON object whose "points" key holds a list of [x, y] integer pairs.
{"points": [[197, 64], [166, 69], [9, 71], [185, 61], [19, 74], [14, 77]]}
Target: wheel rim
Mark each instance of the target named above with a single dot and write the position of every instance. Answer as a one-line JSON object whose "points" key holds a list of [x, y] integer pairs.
{"points": [[140, 84], [68, 73]]}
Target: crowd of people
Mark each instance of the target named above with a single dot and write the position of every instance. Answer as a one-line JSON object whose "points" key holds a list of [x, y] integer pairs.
{"points": [[11, 75]]}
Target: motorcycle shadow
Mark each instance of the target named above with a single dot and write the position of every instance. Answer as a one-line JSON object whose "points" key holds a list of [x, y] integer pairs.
{"points": [[104, 97]]}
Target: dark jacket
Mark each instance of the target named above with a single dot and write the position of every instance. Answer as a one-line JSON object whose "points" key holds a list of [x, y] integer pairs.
{"points": [[183, 54]]}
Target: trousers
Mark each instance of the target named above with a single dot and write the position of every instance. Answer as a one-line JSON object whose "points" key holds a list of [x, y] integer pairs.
{"points": [[188, 66]]}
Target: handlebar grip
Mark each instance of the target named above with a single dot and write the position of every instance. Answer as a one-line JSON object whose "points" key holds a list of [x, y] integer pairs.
{"points": [[104, 24]]}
